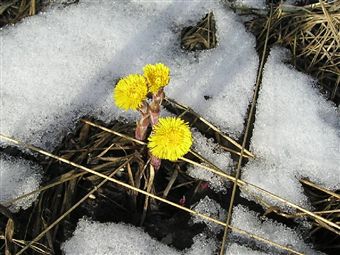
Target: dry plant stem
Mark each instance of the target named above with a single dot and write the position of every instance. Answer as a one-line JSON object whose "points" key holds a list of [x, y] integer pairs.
{"points": [[143, 122], [233, 151], [114, 132], [148, 189], [213, 169], [171, 182], [184, 107], [235, 229], [311, 184], [38, 237], [10, 202], [330, 22], [32, 8], [251, 112]]}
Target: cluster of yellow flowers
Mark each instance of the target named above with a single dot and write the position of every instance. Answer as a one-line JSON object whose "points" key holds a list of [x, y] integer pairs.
{"points": [[170, 137], [132, 90]]}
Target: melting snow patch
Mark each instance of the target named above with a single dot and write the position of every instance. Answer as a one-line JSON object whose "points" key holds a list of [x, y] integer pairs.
{"points": [[110, 238], [62, 64], [211, 208], [269, 229], [257, 4], [236, 249], [95, 238], [202, 246], [18, 177], [211, 151], [296, 134]]}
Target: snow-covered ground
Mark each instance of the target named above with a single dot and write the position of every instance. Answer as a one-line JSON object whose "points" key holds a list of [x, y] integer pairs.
{"points": [[213, 153], [18, 177], [112, 238], [296, 134], [63, 64], [270, 230], [95, 238]]}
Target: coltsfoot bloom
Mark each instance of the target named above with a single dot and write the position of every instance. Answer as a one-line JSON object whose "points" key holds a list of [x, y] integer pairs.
{"points": [[130, 92], [157, 76], [171, 139]]}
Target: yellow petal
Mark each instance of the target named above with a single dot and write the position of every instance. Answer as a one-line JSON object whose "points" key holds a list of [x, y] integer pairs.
{"points": [[171, 139], [157, 76], [130, 92]]}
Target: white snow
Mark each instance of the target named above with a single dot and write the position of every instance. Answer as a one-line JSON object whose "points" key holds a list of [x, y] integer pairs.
{"points": [[213, 153], [271, 230], [18, 177], [296, 134], [211, 208], [257, 4], [96, 238], [235, 249], [202, 246], [63, 64]]}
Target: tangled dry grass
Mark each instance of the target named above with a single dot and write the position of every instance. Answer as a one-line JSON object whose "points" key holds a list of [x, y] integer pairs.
{"points": [[312, 33]]}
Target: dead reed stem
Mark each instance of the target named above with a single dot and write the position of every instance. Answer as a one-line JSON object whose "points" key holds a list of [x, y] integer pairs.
{"points": [[250, 116]]}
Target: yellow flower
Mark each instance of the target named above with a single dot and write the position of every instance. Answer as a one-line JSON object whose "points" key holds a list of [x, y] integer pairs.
{"points": [[171, 139], [130, 92], [157, 75]]}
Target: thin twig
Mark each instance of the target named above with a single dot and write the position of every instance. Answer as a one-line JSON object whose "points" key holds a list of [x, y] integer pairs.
{"points": [[250, 116]]}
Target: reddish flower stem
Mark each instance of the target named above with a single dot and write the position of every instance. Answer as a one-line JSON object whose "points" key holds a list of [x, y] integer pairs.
{"points": [[154, 110], [155, 106], [143, 123]]}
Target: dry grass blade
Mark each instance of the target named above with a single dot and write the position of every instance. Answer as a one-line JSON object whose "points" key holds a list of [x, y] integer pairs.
{"points": [[32, 8], [311, 184], [12, 11], [62, 180], [149, 188], [5, 5], [171, 182], [36, 247], [113, 132], [9, 231], [202, 36]]}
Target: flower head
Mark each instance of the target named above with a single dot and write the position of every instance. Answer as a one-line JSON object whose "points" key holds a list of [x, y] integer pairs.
{"points": [[171, 139], [130, 92], [157, 75]]}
